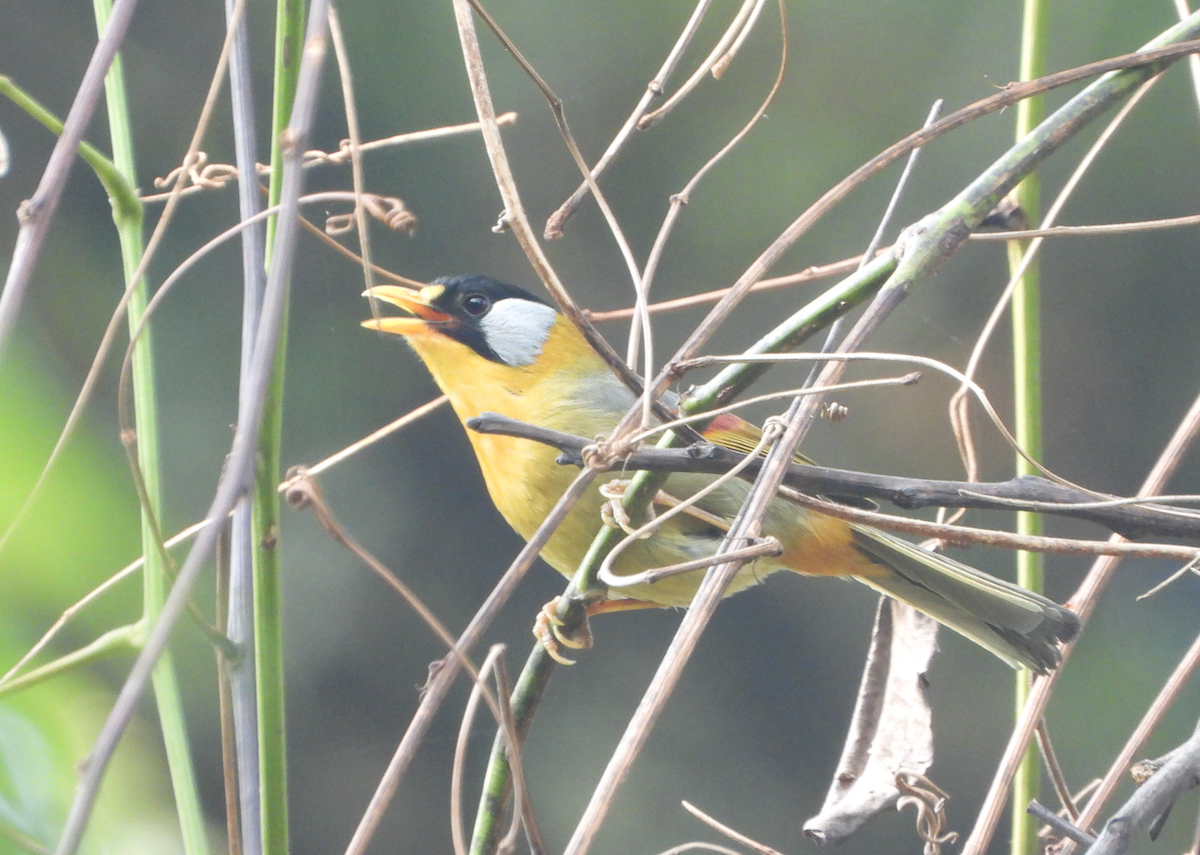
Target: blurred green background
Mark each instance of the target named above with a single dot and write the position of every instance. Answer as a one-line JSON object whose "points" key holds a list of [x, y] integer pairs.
{"points": [[754, 731]]}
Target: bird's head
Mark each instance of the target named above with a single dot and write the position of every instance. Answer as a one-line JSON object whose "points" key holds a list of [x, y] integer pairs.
{"points": [[500, 323], [495, 347]]}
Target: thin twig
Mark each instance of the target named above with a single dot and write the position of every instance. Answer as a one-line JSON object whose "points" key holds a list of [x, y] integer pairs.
{"points": [[239, 469], [732, 834], [439, 684], [907, 493], [958, 409], [1083, 602], [809, 274], [726, 59], [329, 241], [742, 20], [356, 166], [514, 216], [835, 329], [1191, 567], [37, 213], [1058, 824], [343, 154], [304, 493], [1054, 768], [610, 218], [368, 440], [215, 176], [825, 374], [1181, 8], [654, 88], [678, 200], [829, 382], [1133, 227]]}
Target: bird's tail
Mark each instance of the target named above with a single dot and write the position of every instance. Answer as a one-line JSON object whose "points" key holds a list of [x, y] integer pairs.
{"points": [[1019, 626]]}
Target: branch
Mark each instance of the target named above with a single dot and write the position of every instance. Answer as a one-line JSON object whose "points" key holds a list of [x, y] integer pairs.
{"points": [[1180, 772], [1026, 492]]}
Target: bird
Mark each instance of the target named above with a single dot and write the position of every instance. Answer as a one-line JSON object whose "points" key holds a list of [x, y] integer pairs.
{"points": [[495, 347]]}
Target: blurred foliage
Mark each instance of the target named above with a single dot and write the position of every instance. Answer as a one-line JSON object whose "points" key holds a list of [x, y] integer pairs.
{"points": [[82, 528], [754, 730]]}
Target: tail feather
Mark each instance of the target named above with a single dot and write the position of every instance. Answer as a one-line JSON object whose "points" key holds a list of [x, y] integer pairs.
{"points": [[1019, 626]]}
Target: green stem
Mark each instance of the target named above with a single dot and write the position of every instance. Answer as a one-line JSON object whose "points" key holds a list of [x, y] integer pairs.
{"points": [[1027, 396], [168, 700], [123, 639], [497, 782], [121, 194], [268, 612]]}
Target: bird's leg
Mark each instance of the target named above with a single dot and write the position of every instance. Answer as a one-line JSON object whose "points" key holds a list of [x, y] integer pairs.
{"points": [[547, 626]]}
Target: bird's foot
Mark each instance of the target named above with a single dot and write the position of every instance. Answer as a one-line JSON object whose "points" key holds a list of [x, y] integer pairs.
{"points": [[547, 629]]}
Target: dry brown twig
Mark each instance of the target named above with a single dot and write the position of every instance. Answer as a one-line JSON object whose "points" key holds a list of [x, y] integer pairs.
{"points": [[201, 175], [722, 52], [654, 88], [1083, 602], [958, 408], [118, 314], [731, 833], [303, 492], [674, 211], [178, 538], [1057, 777]]}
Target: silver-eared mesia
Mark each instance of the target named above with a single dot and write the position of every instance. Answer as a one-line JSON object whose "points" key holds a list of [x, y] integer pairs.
{"points": [[494, 347]]}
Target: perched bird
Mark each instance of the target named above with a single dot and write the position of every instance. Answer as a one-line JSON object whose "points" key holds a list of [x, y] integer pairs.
{"points": [[494, 347]]}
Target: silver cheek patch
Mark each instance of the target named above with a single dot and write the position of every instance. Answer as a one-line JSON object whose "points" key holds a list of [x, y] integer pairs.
{"points": [[516, 330]]}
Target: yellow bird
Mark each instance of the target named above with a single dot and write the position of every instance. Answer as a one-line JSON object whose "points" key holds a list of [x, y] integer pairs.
{"points": [[494, 347]]}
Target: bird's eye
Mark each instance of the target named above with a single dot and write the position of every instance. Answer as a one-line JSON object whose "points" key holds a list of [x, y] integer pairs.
{"points": [[476, 304]]}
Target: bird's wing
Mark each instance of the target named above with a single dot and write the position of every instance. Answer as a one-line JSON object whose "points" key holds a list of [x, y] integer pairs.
{"points": [[737, 434]]}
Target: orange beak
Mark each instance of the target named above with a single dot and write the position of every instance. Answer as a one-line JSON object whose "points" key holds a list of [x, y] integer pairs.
{"points": [[416, 303]]}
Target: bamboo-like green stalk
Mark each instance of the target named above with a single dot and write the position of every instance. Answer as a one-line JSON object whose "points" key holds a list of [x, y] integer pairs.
{"points": [[168, 700], [497, 784], [268, 605], [1027, 396], [245, 824]]}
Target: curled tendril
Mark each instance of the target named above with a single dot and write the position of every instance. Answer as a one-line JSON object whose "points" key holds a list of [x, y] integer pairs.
{"points": [[389, 210], [930, 802], [199, 173]]}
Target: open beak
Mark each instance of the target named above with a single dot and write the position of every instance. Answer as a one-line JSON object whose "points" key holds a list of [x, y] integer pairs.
{"points": [[416, 303]]}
